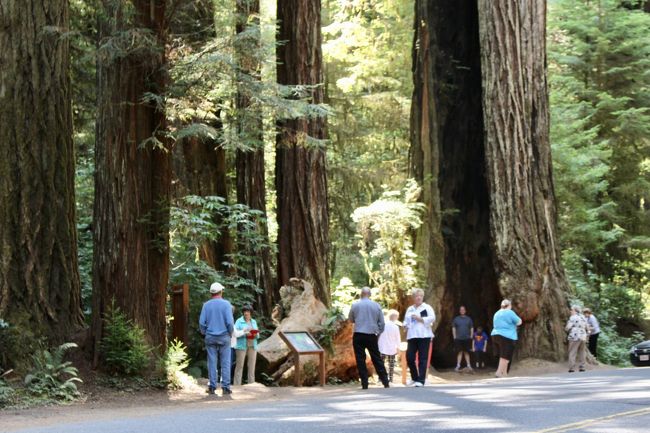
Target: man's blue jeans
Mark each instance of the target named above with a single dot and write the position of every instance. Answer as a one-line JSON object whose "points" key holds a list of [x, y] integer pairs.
{"points": [[218, 344]]}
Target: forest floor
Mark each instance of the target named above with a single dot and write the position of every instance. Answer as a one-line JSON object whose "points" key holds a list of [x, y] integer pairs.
{"points": [[99, 400]]}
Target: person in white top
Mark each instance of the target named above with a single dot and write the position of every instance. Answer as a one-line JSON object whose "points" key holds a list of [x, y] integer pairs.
{"points": [[418, 320], [389, 342]]}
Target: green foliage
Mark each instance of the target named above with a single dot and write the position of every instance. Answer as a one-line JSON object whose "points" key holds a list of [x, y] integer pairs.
{"points": [[123, 347], [7, 394], [600, 97], [384, 232], [331, 325], [343, 295], [613, 348], [367, 50], [174, 363], [52, 377]]}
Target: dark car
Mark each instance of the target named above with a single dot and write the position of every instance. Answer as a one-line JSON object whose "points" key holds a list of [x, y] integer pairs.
{"points": [[640, 354]]}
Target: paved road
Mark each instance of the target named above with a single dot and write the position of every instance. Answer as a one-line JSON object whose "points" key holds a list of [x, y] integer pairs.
{"points": [[599, 401]]}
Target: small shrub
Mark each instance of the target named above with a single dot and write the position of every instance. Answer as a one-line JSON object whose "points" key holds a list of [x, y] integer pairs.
{"points": [[613, 348], [6, 394], [123, 347], [173, 364], [52, 377]]}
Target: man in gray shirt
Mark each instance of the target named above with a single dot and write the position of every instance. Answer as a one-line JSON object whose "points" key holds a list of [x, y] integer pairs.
{"points": [[463, 332], [368, 320]]}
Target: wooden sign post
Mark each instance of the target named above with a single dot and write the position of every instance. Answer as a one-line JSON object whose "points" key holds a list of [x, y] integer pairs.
{"points": [[303, 343], [180, 312]]}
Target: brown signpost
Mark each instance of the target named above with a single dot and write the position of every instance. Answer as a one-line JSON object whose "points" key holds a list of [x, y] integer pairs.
{"points": [[180, 312], [303, 343]]}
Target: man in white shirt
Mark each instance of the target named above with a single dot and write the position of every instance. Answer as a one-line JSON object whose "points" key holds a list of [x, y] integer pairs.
{"points": [[389, 342]]}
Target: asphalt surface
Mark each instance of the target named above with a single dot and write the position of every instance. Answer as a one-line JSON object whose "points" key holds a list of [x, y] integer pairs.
{"points": [[600, 401]]}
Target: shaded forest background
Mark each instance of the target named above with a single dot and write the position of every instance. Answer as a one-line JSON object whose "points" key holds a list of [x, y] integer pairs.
{"points": [[271, 169]]}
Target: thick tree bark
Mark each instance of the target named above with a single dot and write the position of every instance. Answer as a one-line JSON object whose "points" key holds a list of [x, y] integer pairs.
{"points": [[518, 157], [447, 158], [301, 183], [424, 154], [133, 170], [39, 280], [251, 179]]}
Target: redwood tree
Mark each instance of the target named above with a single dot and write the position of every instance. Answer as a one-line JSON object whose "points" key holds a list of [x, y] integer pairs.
{"points": [[132, 180], [480, 149], [518, 156], [251, 179], [39, 280], [301, 184]]}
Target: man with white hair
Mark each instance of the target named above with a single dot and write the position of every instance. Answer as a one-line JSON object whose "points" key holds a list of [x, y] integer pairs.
{"points": [[217, 324], [368, 320]]}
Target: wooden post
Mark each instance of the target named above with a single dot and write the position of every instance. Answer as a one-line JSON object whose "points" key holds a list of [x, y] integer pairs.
{"points": [[321, 359], [297, 380], [180, 312]]}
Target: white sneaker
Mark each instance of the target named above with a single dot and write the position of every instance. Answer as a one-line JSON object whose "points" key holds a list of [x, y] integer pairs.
{"points": [[410, 383], [457, 368], [418, 384]]}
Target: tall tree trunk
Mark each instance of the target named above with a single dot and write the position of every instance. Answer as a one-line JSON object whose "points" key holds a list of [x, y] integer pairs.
{"points": [[39, 279], [251, 182], [518, 155], [133, 170], [301, 183], [203, 172], [448, 159], [424, 154]]}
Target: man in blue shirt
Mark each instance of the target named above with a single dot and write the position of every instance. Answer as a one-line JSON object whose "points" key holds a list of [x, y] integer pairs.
{"points": [[216, 324]]}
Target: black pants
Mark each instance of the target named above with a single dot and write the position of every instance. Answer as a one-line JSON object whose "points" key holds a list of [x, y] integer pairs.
{"points": [[361, 342], [479, 358], [593, 344], [419, 347]]}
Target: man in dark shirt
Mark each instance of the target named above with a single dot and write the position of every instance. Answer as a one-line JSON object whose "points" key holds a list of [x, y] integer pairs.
{"points": [[368, 320], [463, 330]]}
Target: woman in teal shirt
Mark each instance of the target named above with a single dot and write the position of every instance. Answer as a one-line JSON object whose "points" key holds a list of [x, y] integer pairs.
{"points": [[246, 345], [504, 335]]}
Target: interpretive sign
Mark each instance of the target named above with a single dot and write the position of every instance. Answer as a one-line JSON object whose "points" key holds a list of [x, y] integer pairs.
{"points": [[303, 343]]}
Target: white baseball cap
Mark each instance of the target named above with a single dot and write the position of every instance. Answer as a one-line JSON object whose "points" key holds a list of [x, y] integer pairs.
{"points": [[216, 288]]}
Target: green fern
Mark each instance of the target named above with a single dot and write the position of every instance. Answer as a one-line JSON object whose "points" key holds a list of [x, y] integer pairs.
{"points": [[52, 377]]}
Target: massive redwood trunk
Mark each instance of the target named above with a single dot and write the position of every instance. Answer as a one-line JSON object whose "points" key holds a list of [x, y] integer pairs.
{"points": [[448, 159], [301, 184], [39, 280], [133, 171], [490, 228], [520, 184], [251, 179]]}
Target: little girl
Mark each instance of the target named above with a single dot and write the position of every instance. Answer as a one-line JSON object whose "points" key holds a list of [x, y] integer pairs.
{"points": [[389, 342]]}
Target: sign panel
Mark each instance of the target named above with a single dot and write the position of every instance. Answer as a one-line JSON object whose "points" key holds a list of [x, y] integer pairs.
{"points": [[301, 342]]}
